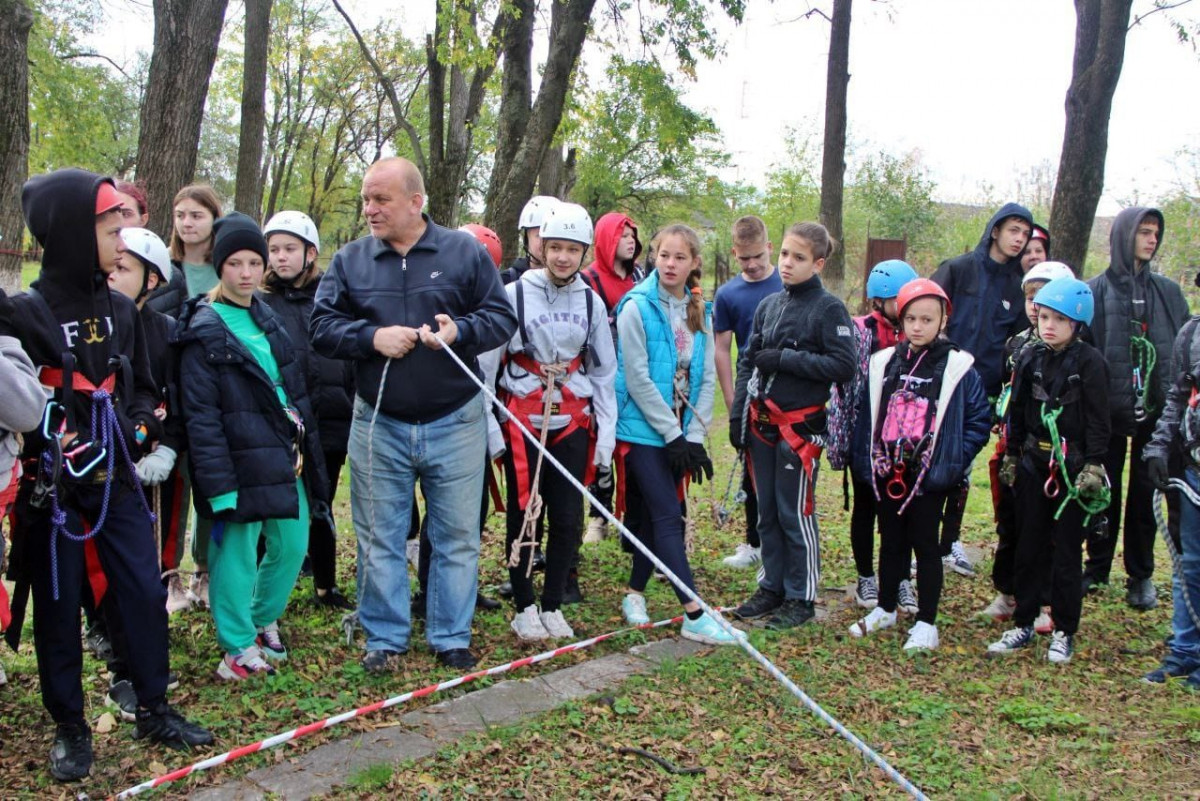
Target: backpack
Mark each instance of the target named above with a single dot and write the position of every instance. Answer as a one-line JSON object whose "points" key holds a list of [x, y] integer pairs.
{"points": [[844, 399]]}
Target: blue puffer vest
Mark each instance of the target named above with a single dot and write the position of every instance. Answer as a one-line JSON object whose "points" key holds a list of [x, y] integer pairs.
{"points": [[663, 358]]}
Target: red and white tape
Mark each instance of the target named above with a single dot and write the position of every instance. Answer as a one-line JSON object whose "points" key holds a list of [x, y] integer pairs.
{"points": [[295, 734]]}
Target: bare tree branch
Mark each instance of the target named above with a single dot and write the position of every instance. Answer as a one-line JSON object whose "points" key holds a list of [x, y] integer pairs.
{"points": [[1137, 19], [101, 56]]}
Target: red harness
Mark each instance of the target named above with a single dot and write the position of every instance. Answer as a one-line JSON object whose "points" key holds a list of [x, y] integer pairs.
{"points": [[523, 408], [767, 412], [52, 377]]}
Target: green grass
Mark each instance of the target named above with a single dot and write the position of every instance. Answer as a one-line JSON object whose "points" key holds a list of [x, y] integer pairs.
{"points": [[955, 722]]}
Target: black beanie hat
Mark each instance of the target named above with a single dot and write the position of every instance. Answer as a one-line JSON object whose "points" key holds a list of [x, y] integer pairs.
{"points": [[233, 232]]}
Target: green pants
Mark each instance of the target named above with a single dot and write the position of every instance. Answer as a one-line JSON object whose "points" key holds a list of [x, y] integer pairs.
{"points": [[245, 594]]}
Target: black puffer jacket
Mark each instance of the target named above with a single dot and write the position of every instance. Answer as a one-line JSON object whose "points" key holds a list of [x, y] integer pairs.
{"points": [[330, 382], [1185, 363], [239, 437], [169, 298], [1165, 312]]}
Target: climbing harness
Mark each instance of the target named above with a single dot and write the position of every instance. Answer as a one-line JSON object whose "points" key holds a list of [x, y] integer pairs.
{"points": [[1144, 357], [1058, 464], [905, 438]]}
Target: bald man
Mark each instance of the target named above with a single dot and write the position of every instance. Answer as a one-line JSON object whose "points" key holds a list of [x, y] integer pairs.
{"points": [[416, 414]]}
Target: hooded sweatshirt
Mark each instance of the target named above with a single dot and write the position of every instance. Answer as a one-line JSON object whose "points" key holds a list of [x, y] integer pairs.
{"points": [[1125, 297], [601, 275], [988, 305], [76, 312], [556, 329]]}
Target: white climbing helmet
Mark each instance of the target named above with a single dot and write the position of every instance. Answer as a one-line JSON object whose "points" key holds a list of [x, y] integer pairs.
{"points": [[296, 223], [535, 210], [568, 221], [1047, 271], [150, 249]]}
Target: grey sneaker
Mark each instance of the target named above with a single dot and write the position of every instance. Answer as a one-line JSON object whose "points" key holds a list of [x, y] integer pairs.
{"points": [[1141, 594], [957, 560], [1012, 641]]}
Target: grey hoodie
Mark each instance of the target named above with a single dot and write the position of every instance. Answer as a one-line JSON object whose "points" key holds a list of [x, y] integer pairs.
{"points": [[556, 329], [22, 400]]}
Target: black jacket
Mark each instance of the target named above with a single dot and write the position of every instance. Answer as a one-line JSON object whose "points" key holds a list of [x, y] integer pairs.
{"points": [[164, 366], [1168, 436], [988, 304], [514, 271], [169, 298], [815, 332], [239, 437], [70, 308], [1075, 378], [330, 382], [1117, 290]]}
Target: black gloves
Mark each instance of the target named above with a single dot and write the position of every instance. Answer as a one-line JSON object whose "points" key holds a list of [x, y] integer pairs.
{"points": [[735, 435], [679, 456], [701, 466], [1156, 467], [767, 361], [319, 510]]}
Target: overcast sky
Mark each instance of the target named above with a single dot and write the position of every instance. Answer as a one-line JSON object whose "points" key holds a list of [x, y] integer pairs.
{"points": [[977, 87]]}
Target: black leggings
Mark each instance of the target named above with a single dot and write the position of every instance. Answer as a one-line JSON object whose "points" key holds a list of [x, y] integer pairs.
{"points": [[901, 535], [863, 520], [322, 538]]}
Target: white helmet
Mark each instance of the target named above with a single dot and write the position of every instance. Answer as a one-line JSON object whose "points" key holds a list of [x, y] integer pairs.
{"points": [[150, 249], [1047, 271], [535, 211], [568, 221], [296, 223]]}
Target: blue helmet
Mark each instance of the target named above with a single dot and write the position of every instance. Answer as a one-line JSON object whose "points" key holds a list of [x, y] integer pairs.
{"points": [[1069, 297], [887, 277]]}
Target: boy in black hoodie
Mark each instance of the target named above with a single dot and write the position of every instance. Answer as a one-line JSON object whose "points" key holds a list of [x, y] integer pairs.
{"points": [[82, 517]]}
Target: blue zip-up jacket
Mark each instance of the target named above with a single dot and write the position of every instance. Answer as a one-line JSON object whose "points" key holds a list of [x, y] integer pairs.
{"points": [[370, 285], [662, 359], [987, 300]]}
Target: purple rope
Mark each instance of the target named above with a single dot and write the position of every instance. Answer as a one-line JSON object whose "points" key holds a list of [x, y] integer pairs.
{"points": [[106, 430]]}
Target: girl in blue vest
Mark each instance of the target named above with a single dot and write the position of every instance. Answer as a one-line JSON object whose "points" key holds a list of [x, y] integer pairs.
{"points": [[666, 377]]}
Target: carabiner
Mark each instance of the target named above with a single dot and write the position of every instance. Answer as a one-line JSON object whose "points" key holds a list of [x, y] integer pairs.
{"points": [[83, 449], [54, 421], [1051, 488], [896, 488]]}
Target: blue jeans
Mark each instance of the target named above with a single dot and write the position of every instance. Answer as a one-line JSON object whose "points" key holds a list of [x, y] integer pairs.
{"points": [[1185, 639], [448, 456]]}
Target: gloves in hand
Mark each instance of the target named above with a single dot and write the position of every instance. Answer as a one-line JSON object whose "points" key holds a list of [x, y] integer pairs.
{"points": [[319, 510], [679, 456], [701, 466], [154, 467], [735, 435], [1091, 481], [1008, 469], [767, 361], [1160, 476]]}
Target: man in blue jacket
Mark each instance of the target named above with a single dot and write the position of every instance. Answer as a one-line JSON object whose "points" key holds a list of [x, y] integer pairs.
{"points": [[416, 414], [985, 292]]}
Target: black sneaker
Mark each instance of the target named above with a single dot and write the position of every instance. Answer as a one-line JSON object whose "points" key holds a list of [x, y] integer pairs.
{"points": [[1092, 584], [332, 599], [505, 590], [164, 725], [571, 592], [98, 643], [791, 613], [485, 603], [122, 696], [1141, 595], [381, 661], [457, 658], [762, 602], [71, 754]]}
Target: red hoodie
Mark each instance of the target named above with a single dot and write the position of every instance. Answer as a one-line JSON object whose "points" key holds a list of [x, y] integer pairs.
{"points": [[600, 274]]}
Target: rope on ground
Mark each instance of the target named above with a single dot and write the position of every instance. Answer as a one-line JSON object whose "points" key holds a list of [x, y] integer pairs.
{"points": [[1192, 497], [320, 725], [740, 636]]}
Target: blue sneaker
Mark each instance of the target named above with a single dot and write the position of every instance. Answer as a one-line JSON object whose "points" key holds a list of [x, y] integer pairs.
{"points": [[633, 605], [1012, 641], [707, 630]]}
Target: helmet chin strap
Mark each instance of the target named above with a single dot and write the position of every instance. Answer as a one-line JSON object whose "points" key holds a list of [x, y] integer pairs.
{"points": [[560, 282]]}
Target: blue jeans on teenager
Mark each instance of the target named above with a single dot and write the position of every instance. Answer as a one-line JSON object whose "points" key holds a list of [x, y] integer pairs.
{"points": [[448, 456], [1185, 637]]}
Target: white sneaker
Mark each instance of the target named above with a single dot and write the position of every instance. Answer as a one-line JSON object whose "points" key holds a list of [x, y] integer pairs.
{"points": [[876, 620], [197, 591], [633, 606], [907, 598], [177, 596], [1001, 608], [597, 530], [528, 624], [412, 550], [555, 625], [1061, 647], [922, 637], [746, 555], [866, 592], [1043, 623]]}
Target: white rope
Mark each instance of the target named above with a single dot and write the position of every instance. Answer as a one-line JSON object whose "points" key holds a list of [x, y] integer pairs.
{"points": [[738, 635], [1190, 496]]}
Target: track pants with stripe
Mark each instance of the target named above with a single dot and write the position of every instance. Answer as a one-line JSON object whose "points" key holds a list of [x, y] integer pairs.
{"points": [[791, 551]]}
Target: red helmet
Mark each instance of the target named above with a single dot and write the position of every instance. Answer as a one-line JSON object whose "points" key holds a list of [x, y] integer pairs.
{"points": [[487, 237], [921, 288]]}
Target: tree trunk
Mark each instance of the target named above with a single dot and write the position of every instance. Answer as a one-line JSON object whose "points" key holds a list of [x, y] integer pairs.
{"points": [[557, 176], [248, 198], [510, 188], [16, 19], [833, 159], [186, 34], [1100, 30]]}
